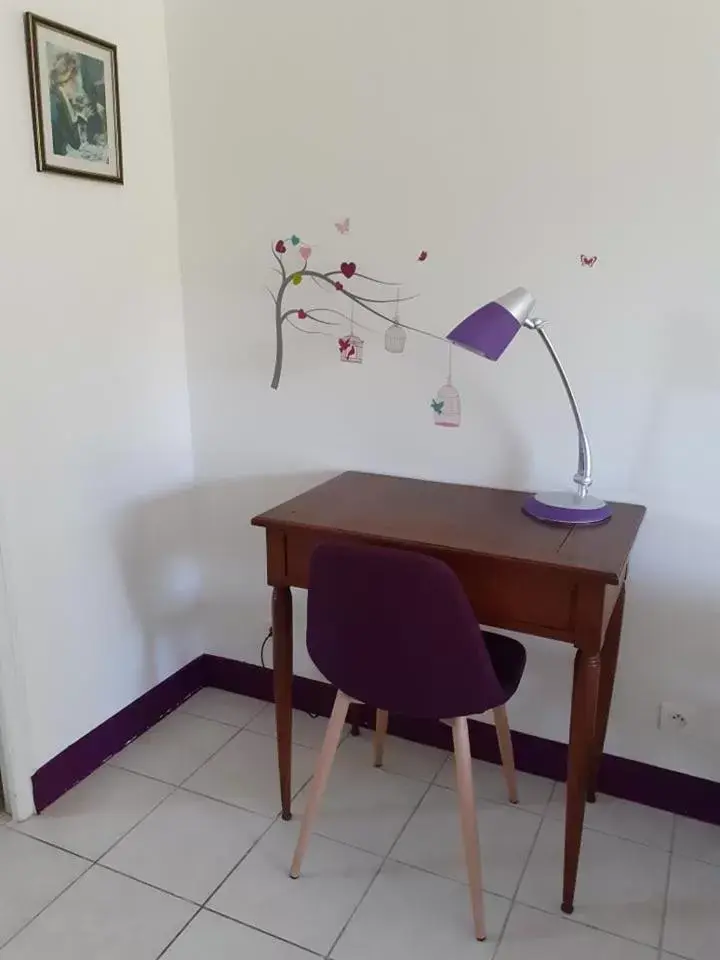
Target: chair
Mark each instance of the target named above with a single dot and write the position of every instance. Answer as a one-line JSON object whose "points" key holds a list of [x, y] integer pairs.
{"points": [[394, 629]]}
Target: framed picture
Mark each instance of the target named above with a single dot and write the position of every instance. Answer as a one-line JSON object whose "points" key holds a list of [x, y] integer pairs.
{"points": [[75, 101]]}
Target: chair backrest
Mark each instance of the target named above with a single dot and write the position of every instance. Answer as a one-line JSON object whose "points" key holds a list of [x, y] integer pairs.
{"points": [[394, 629]]}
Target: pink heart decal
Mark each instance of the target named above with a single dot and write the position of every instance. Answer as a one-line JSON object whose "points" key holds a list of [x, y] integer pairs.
{"points": [[347, 269], [305, 252], [301, 314]]}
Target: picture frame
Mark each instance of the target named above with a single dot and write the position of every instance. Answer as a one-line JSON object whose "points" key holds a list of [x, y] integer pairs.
{"points": [[75, 101]]}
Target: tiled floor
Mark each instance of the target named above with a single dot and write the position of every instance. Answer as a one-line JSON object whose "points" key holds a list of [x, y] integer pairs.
{"points": [[174, 849]]}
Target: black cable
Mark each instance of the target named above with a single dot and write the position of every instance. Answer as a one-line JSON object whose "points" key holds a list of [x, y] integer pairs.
{"points": [[264, 644]]}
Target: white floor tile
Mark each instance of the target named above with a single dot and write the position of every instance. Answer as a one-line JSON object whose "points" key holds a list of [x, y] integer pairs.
{"points": [[310, 911], [692, 925], [105, 916], [188, 845], [212, 937], [411, 915], [533, 792], [307, 731], [362, 805], [621, 884], [532, 935], [93, 816], [403, 757], [174, 748], [697, 840], [224, 707], [245, 773], [621, 818], [432, 840], [31, 875]]}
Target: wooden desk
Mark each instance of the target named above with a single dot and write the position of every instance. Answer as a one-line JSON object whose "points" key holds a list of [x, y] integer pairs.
{"points": [[564, 583]]}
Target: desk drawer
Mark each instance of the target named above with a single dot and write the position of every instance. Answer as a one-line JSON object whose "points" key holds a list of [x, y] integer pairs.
{"points": [[504, 593]]}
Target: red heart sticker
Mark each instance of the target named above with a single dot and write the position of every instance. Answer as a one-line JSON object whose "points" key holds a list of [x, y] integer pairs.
{"points": [[301, 314], [347, 269], [280, 247], [338, 285]]}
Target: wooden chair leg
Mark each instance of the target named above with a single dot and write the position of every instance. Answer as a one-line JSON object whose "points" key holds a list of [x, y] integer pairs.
{"points": [[381, 725], [468, 822], [320, 777], [507, 756]]}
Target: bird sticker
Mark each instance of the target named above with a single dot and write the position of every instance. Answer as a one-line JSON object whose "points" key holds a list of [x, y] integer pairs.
{"points": [[343, 226], [587, 261], [423, 256], [438, 406]]}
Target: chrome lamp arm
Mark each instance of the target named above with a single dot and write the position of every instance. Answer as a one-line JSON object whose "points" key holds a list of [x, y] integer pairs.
{"points": [[583, 476]]}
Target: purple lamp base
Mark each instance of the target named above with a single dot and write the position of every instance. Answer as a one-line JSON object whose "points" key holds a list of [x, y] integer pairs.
{"points": [[567, 508]]}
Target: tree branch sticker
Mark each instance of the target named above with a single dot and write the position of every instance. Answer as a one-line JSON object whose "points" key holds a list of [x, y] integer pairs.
{"points": [[331, 281]]}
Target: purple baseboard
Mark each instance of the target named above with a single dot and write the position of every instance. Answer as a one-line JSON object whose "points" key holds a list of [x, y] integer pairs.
{"points": [[618, 777], [88, 753], [627, 779]]}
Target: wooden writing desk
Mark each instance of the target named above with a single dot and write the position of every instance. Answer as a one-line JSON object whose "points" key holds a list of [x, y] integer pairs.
{"points": [[564, 583]]}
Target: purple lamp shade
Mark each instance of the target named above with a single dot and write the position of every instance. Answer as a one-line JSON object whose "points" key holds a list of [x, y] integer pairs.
{"points": [[490, 330]]}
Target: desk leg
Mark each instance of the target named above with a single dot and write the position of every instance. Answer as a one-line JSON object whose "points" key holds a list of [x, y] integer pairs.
{"points": [[582, 729], [609, 659], [282, 677]]}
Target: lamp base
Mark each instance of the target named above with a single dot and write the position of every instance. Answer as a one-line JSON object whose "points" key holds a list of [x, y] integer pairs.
{"points": [[567, 508]]}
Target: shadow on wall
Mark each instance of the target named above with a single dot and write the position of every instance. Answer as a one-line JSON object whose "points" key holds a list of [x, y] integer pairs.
{"points": [[194, 568]]}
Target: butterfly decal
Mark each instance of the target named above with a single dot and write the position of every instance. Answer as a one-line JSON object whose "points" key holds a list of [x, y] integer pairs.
{"points": [[423, 255], [343, 226], [587, 261], [438, 406]]}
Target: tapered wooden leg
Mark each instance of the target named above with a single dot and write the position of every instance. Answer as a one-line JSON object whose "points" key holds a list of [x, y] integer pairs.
{"points": [[468, 822], [320, 778], [282, 677], [502, 727], [608, 666], [586, 681], [381, 725]]}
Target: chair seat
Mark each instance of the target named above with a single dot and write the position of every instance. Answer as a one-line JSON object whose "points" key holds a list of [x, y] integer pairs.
{"points": [[508, 657]]}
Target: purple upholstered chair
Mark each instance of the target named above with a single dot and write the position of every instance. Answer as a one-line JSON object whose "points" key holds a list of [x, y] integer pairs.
{"points": [[394, 629]]}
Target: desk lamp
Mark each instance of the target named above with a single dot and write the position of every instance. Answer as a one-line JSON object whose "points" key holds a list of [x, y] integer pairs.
{"points": [[488, 332]]}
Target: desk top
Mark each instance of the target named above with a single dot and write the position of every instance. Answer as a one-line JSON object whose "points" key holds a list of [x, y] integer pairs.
{"points": [[477, 520]]}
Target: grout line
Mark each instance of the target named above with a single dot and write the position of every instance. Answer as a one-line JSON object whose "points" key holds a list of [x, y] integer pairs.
{"points": [[47, 905], [180, 932], [377, 872], [667, 887], [273, 936], [513, 899]]}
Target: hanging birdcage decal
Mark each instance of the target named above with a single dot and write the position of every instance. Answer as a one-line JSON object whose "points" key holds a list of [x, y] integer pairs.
{"points": [[395, 335], [446, 405], [351, 346]]}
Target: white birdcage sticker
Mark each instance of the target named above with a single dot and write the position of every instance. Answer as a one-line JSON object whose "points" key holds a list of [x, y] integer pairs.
{"points": [[395, 335], [446, 405]]}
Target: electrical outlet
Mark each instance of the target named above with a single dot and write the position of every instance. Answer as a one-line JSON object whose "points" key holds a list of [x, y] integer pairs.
{"points": [[675, 716]]}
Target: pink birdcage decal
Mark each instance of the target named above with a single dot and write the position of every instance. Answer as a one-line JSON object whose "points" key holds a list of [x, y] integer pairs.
{"points": [[446, 405], [351, 348]]}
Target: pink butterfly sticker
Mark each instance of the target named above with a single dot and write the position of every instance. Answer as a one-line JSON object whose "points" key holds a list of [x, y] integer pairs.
{"points": [[343, 226]]}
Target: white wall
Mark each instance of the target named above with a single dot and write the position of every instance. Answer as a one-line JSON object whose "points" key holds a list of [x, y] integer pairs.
{"points": [[94, 412], [507, 138]]}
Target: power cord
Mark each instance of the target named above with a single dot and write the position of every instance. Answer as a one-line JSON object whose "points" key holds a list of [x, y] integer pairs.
{"points": [[264, 644]]}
